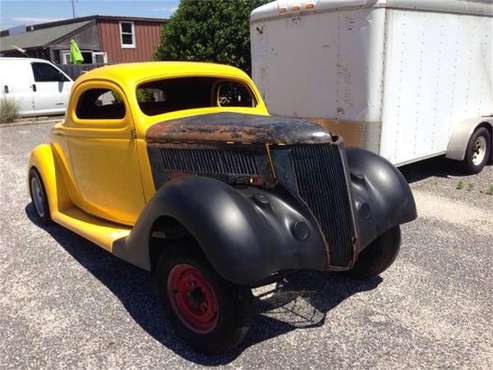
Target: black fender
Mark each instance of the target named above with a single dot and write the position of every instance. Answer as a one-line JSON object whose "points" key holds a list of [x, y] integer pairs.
{"points": [[381, 194], [247, 234]]}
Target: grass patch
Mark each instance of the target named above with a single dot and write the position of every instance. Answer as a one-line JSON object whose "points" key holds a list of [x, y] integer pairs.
{"points": [[489, 191], [8, 110], [460, 185]]}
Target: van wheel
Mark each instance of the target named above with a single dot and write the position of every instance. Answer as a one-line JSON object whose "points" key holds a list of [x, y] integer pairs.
{"points": [[378, 256], [478, 151], [39, 197], [211, 314]]}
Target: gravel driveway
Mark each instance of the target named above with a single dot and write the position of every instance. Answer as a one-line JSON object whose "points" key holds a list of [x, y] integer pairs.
{"points": [[66, 303]]}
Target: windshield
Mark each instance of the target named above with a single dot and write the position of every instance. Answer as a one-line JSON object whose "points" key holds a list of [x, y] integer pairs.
{"points": [[169, 95]]}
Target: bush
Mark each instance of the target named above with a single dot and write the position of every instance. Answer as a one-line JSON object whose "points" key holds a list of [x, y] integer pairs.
{"points": [[209, 30], [8, 110]]}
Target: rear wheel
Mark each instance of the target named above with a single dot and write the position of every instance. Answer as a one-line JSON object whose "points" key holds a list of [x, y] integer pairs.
{"points": [[378, 256], [39, 197], [478, 151], [211, 314]]}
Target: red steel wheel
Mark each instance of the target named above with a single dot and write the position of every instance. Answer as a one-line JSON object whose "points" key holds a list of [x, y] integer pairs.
{"points": [[192, 298], [209, 313]]}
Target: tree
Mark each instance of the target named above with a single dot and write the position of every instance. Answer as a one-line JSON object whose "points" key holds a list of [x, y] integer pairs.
{"points": [[212, 30]]}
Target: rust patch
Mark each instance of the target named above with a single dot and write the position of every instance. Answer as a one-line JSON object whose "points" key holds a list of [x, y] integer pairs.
{"points": [[238, 128], [351, 132]]}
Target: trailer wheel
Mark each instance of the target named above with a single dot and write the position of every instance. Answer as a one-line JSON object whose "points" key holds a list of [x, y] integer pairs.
{"points": [[478, 151], [378, 256], [211, 314]]}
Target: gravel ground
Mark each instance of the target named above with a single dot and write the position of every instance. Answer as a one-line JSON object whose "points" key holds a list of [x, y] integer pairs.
{"points": [[66, 303]]}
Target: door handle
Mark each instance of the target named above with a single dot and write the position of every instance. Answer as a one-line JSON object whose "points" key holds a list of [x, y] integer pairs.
{"points": [[34, 87], [6, 89]]}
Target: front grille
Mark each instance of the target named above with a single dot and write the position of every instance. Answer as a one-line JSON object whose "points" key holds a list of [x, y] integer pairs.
{"points": [[322, 184], [209, 162]]}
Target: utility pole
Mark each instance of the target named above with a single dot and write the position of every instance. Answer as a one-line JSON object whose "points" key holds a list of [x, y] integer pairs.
{"points": [[73, 8]]}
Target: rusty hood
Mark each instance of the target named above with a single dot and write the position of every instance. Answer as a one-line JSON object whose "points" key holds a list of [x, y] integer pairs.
{"points": [[238, 128]]}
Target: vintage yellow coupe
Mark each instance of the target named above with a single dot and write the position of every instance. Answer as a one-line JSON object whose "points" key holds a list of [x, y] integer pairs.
{"points": [[179, 169]]}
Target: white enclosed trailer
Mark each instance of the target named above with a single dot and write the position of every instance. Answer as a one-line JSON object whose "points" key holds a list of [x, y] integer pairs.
{"points": [[405, 79]]}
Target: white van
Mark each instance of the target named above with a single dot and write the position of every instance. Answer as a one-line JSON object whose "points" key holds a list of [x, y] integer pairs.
{"points": [[406, 79], [38, 87]]}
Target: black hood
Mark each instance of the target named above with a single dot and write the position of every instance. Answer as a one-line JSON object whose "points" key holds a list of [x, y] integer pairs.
{"points": [[238, 128]]}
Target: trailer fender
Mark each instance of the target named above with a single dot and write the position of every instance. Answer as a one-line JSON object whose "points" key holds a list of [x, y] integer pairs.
{"points": [[457, 145], [246, 234], [381, 194]]}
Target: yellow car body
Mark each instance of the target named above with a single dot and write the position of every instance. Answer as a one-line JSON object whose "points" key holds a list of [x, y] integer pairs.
{"points": [[96, 172]]}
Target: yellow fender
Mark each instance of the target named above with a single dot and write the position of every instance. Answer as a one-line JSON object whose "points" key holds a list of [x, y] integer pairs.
{"points": [[43, 159]]}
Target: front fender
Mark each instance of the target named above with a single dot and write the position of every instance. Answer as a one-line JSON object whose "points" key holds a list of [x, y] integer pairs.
{"points": [[247, 234], [382, 196]]}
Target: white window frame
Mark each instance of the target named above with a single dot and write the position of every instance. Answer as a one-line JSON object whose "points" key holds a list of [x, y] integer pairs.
{"points": [[103, 53], [127, 46], [65, 56]]}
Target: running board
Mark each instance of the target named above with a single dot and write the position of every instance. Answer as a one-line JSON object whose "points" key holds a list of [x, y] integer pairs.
{"points": [[98, 231]]}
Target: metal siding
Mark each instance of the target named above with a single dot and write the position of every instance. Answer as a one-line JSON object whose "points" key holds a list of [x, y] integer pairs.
{"points": [[147, 36]]}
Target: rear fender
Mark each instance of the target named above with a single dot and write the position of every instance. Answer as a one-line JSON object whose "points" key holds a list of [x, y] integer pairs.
{"points": [[44, 160]]}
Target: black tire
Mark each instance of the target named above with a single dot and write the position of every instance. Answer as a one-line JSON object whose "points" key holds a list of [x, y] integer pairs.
{"points": [[378, 256], [40, 199], [469, 164], [234, 303]]}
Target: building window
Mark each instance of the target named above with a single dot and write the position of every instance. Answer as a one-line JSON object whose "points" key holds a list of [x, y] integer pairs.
{"points": [[127, 34], [90, 57], [99, 58]]}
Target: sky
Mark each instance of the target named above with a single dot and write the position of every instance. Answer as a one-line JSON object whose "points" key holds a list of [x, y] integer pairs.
{"points": [[20, 12]]}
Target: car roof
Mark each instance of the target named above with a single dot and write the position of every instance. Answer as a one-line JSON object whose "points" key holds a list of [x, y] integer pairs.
{"points": [[131, 74]]}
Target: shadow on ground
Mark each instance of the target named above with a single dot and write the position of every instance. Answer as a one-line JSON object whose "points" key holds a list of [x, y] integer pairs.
{"points": [[438, 167], [281, 308]]}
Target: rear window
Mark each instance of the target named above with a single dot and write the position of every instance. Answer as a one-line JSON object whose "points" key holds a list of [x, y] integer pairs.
{"points": [[176, 94]]}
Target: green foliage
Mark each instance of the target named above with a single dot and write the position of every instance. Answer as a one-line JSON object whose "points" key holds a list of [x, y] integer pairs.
{"points": [[145, 95], [8, 110], [209, 30], [460, 185]]}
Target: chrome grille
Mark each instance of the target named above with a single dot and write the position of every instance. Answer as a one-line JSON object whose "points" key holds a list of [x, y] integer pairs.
{"points": [[322, 184]]}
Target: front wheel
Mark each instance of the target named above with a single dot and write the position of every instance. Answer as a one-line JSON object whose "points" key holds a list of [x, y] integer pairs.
{"points": [[378, 256], [211, 314]]}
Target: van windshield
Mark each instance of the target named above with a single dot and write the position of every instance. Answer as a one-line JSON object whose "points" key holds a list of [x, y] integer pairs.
{"points": [[169, 95]]}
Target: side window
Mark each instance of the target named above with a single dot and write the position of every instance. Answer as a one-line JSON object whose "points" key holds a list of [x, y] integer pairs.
{"points": [[43, 72], [100, 104], [234, 94]]}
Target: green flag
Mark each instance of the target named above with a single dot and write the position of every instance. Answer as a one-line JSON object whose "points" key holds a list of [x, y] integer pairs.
{"points": [[75, 54]]}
